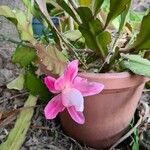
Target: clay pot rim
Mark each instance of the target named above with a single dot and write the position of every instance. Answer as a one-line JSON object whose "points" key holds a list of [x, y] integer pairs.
{"points": [[109, 75], [115, 81], [114, 75]]}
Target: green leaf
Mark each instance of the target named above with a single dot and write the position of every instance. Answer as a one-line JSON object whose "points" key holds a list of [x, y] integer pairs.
{"points": [[97, 6], [8, 13], [31, 7], [136, 64], [43, 8], [95, 26], [143, 38], [135, 16], [24, 26], [116, 8], [103, 39], [44, 12], [24, 55], [85, 14], [135, 145], [105, 6], [89, 39], [85, 3], [21, 21], [35, 86], [123, 17], [17, 83], [73, 35], [52, 59], [17, 135], [115, 57], [67, 8]]}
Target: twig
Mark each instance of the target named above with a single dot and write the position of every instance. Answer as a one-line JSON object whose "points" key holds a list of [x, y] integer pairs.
{"points": [[66, 42], [15, 96], [53, 3], [73, 140], [146, 90], [84, 50], [40, 127], [106, 60], [127, 50], [73, 4], [8, 117], [8, 120]]}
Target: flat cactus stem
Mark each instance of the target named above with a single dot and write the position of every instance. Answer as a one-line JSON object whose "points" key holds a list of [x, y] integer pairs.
{"points": [[17, 135]]}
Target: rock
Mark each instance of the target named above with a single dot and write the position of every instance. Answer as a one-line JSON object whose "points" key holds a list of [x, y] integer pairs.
{"points": [[5, 54], [6, 76], [2, 79], [1, 62], [141, 8], [10, 66]]}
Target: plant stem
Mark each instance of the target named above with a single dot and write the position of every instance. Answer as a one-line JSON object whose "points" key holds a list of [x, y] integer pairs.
{"points": [[18, 134], [106, 60], [74, 9], [74, 5], [66, 42], [71, 23]]}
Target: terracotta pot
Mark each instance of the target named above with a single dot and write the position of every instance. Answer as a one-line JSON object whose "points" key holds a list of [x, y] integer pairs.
{"points": [[109, 113]]}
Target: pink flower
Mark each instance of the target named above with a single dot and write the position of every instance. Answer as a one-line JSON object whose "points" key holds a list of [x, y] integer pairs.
{"points": [[70, 89]]}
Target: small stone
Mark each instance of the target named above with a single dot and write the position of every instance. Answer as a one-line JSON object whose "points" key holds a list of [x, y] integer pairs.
{"points": [[2, 79], [141, 8], [5, 54], [1, 62], [10, 66], [7, 94], [7, 74]]}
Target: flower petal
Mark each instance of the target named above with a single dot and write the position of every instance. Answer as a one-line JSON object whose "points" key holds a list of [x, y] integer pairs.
{"points": [[76, 115], [60, 83], [66, 79], [53, 107], [87, 88], [72, 97], [50, 81], [71, 71]]}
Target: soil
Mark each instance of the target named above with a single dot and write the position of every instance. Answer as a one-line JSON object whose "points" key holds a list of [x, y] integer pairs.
{"points": [[42, 134]]}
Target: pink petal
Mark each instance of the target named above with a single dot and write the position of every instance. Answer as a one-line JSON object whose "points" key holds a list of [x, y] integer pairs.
{"points": [[73, 97], [87, 88], [71, 71], [60, 83], [66, 79], [76, 115], [50, 81], [53, 107]]}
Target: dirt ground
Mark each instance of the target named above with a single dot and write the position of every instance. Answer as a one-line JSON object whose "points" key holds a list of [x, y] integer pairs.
{"points": [[42, 134]]}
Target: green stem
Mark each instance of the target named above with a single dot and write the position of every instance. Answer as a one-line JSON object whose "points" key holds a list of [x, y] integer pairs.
{"points": [[17, 135], [66, 42]]}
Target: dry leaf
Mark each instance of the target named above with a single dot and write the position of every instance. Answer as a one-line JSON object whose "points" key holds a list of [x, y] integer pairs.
{"points": [[51, 59]]}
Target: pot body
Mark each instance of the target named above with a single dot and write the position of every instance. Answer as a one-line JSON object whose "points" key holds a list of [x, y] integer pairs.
{"points": [[109, 113], [38, 27]]}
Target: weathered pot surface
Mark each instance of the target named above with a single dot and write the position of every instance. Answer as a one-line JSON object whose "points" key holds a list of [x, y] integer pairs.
{"points": [[109, 113]]}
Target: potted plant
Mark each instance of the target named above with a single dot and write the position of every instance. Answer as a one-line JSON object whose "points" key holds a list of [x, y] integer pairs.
{"points": [[112, 71]]}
